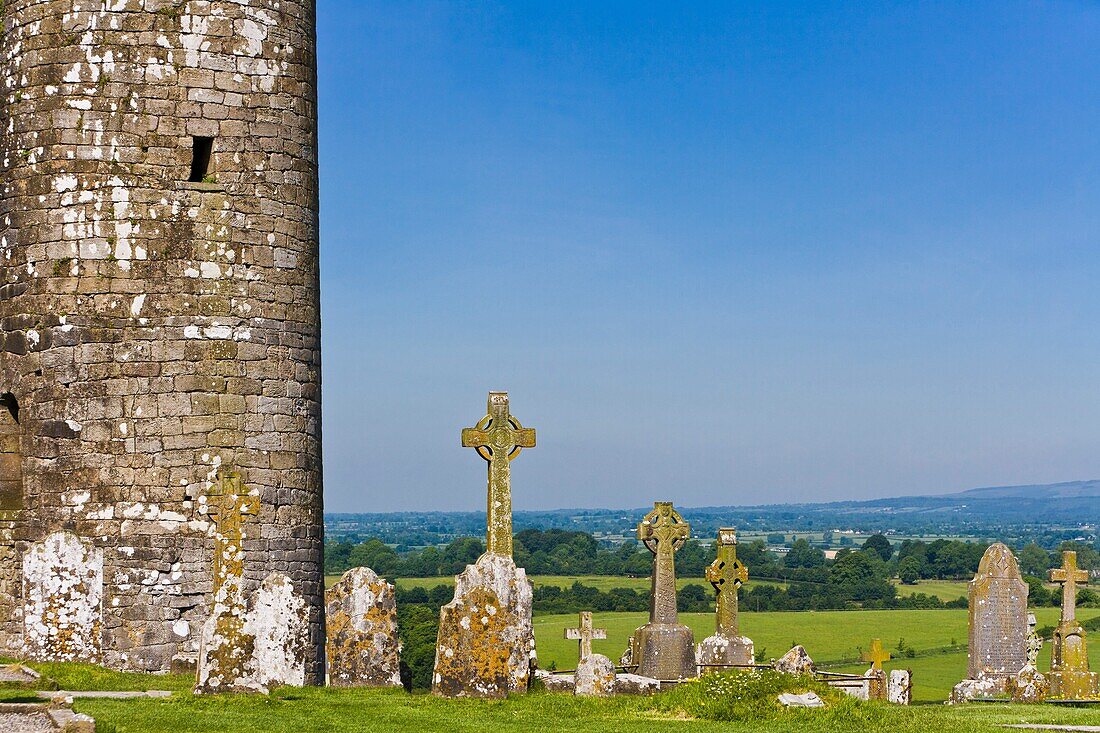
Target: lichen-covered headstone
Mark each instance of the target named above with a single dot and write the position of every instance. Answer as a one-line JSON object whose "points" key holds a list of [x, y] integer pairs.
{"points": [[225, 650], [486, 642], [663, 649], [486, 645], [726, 647], [362, 646], [998, 616], [797, 661], [277, 621], [63, 600], [876, 675], [1070, 677], [900, 690]]}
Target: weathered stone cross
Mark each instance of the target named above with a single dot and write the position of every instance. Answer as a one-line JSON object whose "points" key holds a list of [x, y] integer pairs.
{"points": [[663, 531], [877, 655], [584, 633], [1069, 576], [228, 503], [498, 438], [727, 574]]}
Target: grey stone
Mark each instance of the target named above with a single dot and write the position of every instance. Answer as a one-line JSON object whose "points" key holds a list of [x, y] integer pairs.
{"points": [[900, 690], [594, 677], [63, 600], [636, 684], [797, 661], [998, 640], [805, 700]]}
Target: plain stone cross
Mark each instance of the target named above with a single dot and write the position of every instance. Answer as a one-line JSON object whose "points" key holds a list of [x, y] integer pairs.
{"points": [[877, 655], [498, 438], [228, 503], [663, 531], [1069, 576], [584, 633], [727, 574]]}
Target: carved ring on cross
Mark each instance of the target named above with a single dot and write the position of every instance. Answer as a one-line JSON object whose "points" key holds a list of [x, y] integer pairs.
{"points": [[665, 525], [501, 437]]}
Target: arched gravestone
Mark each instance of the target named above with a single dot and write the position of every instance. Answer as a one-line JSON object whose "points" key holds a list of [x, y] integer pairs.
{"points": [[63, 600], [998, 616]]}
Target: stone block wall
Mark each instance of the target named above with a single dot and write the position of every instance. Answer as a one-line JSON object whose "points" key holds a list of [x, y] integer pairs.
{"points": [[154, 328]]}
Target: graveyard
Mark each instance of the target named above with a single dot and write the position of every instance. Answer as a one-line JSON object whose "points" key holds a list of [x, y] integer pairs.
{"points": [[673, 233]]}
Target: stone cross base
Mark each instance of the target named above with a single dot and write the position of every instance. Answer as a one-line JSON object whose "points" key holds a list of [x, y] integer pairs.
{"points": [[595, 676], [486, 644], [664, 651], [720, 649], [1073, 685]]}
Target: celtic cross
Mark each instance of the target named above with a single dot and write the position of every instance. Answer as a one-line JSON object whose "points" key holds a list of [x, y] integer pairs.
{"points": [[663, 531], [877, 655], [1069, 576], [584, 633], [228, 503], [498, 438], [727, 574]]}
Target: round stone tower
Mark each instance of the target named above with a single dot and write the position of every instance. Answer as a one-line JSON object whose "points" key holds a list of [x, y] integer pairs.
{"points": [[159, 317]]}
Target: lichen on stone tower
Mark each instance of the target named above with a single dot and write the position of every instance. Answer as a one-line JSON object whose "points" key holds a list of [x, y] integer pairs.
{"points": [[159, 304]]}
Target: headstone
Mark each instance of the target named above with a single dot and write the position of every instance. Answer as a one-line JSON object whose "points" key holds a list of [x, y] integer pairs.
{"points": [[277, 621], [998, 616], [224, 649], [63, 600], [635, 684], [726, 647], [876, 675], [900, 690], [797, 661], [595, 673], [486, 643], [804, 700], [362, 647], [663, 649], [1070, 677]]}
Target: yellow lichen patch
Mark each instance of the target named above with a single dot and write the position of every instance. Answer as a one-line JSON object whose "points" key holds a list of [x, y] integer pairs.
{"points": [[362, 646], [472, 656]]}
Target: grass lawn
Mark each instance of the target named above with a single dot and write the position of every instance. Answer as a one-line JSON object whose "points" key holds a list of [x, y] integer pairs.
{"points": [[361, 711], [947, 590]]}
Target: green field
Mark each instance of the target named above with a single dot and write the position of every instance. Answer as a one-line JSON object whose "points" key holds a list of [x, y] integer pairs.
{"points": [[831, 637], [946, 590]]}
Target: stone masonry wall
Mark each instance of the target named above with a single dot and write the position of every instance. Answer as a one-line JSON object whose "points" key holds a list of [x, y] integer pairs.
{"points": [[153, 328]]}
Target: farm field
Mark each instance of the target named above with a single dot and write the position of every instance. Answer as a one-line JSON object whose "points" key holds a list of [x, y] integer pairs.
{"points": [[945, 590], [835, 639]]}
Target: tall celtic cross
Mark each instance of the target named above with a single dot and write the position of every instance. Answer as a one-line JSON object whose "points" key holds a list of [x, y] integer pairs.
{"points": [[584, 633], [727, 574], [227, 504], [663, 531], [876, 656], [498, 438], [1069, 576]]}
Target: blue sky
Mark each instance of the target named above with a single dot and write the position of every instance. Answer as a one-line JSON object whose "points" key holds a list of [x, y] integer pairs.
{"points": [[722, 254]]}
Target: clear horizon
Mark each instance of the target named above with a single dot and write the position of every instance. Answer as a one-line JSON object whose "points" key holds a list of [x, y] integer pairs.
{"points": [[839, 252]]}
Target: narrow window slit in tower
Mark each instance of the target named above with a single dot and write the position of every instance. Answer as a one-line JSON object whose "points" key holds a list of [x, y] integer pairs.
{"points": [[11, 454], [201, 159]]}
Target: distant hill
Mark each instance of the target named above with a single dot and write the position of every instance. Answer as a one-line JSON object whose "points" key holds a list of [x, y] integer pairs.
{"points": [[1065, 510]]}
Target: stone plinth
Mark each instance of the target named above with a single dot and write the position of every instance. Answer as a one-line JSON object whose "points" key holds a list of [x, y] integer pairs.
{"points": [[363, 648], [1029, 685], [486, 644], [720, 649], [595, 676], [664, 651]]}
